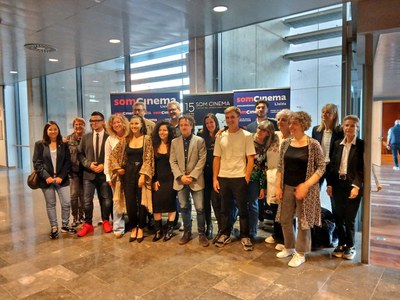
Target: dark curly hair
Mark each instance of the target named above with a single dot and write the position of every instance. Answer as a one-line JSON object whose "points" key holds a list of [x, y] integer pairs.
{"points": [[155, 137]]}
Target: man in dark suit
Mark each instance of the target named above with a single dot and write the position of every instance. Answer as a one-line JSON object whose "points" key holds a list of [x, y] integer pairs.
{"points": [[345, 183], [261, 107], [91, 156], [187, 159]]}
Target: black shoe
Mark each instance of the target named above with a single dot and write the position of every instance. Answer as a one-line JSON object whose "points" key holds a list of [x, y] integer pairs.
{"points": [[133, 238], [186, 237], [54, 233], [67, 229], [158, 236], [170, 232], [139, 240]]}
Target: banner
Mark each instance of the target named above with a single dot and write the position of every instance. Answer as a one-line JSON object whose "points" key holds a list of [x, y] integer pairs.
{"points": [[199, 105], [156, 104], [278, 99]]}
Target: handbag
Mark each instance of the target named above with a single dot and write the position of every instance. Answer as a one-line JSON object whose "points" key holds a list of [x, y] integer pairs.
{"points": [[33, 180]]}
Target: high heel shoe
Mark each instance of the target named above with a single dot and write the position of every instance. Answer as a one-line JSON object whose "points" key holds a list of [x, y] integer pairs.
{"points": [[170, 232], [133, 237], [140, 239]]}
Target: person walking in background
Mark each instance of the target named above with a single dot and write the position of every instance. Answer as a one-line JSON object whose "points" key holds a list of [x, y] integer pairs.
{"points": [[76, 172], [301, 165], [51, 161], [91, 155], [134, 158], [345, 184], [393, 142], [118, 128], [187, 159], [209, 132], [164, 195]]}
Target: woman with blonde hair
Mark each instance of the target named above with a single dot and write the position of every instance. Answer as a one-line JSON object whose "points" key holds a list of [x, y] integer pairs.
{"points": [[117, 128]]}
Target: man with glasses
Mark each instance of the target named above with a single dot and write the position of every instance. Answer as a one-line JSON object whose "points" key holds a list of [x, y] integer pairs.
{"points": [[139, 108], [174, 112], [91, 156]]}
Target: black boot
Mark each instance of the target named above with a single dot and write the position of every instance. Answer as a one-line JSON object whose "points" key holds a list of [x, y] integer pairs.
{"points": [[209, 231], [170, 231], [159, 234]]}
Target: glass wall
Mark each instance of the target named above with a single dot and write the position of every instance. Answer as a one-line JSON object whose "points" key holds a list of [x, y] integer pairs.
{"points": [[98, 81], [61, 99]]}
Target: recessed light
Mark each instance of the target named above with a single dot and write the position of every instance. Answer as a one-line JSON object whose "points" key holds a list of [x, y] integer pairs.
{"points": [[115, 41], [13, 72], [95, 81], [53, 59], [220, 8]]}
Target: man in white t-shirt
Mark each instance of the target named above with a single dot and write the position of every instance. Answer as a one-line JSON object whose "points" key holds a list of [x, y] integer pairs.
{"points": [[232, 166]]}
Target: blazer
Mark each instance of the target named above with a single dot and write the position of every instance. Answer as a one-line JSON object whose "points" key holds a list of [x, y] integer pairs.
{"points": [[355, 166], [86, 155], [196, 161], [337, 134], [252, 127], [150, 125], [44, 166]]}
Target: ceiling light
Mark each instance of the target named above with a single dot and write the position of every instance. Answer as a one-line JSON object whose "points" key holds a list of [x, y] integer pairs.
{"points": [[115, 41], [13, 72], [220, 8], [95, 81], [53, 59]]}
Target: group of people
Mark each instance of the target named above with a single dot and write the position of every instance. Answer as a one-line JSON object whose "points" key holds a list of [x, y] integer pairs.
{"points": [[139, 168]]}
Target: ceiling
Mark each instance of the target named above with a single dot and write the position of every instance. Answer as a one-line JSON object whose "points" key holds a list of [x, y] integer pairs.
{"points": [[80, 30]]}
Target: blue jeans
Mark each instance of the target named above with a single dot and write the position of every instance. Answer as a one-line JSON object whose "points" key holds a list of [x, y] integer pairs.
{"points": [[50, 197], [186, 208], [118, 220], [253, 191], [395, 152], [103, 193]]}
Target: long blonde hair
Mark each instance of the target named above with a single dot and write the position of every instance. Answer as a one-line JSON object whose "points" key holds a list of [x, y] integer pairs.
{"points": [[334, 110]]}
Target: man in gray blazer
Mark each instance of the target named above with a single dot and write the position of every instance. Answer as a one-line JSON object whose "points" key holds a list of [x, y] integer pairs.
{"points": [[91, 156], [187, 159]]}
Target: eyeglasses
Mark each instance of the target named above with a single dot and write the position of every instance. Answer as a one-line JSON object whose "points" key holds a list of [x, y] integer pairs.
{"points": [[95, 121]]}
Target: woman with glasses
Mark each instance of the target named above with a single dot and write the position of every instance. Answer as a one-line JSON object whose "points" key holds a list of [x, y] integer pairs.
{"points": [[52, 162], [134, 158]]}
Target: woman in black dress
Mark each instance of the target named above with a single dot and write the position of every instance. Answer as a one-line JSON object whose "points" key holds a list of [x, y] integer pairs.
{"points": [[164, 196]]}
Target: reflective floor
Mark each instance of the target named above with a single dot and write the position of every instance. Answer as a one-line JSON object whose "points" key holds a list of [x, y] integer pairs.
{"points": [[101, 267]]}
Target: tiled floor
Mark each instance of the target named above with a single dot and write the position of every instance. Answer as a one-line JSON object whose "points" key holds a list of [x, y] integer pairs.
{"points": [[102, 267]]}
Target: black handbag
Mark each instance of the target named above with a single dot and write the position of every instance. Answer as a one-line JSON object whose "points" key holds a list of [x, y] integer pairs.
{"points": [[33, 180]]}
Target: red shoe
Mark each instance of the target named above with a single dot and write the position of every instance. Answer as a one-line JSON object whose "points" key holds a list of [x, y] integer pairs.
{"points": [[107, 228], [86, 228]]}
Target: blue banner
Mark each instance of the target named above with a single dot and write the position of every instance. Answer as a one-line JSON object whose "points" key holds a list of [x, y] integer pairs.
{"points": [[156, 104], [278, 99]]}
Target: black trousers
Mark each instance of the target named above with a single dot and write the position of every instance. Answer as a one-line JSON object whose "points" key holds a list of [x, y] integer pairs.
{"points": [[230, 189], [345, 211]]}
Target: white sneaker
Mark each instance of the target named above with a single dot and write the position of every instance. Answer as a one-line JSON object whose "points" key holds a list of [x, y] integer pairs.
{"points": [[270, 240], [297, 260], [279, 247], [396, 168], [285, 253]]}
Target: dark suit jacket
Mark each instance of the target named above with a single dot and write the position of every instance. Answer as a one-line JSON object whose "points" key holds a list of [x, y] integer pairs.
{"points": [[86, 155], [252, 127], [337, 134], [355, 167], [44, 166]]}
